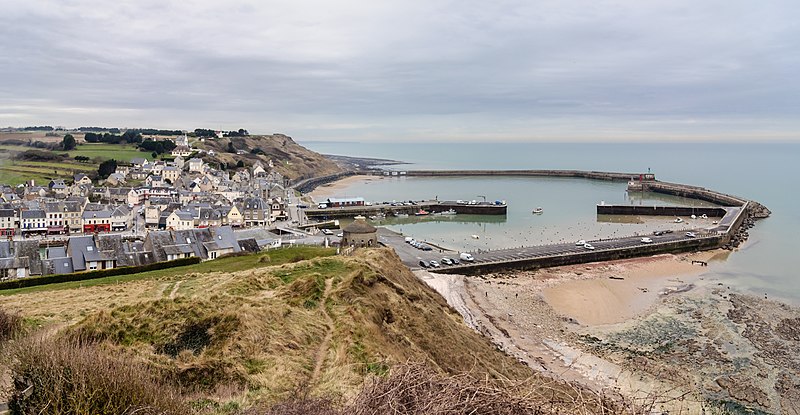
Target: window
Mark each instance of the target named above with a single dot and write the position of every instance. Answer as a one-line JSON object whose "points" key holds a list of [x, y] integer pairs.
{"points": [[90, 248]]}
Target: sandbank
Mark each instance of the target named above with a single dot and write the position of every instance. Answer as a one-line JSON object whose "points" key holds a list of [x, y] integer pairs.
{"points": [[335, 189]]}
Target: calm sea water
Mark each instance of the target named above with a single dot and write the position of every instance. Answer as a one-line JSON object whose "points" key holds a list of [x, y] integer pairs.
{"points": [[762, 172]]}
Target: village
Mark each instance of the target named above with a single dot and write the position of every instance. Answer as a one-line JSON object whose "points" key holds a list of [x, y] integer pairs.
{"points": [[178, 209]]}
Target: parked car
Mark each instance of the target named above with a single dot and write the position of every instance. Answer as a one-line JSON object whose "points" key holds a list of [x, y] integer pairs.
{"points": [[340, 234], [466, 257], [455, 261], [434, 264], [424, 264], [580, 243], [647, 240], [426, 248], [447, 261], [589, 247], [691, 235]]}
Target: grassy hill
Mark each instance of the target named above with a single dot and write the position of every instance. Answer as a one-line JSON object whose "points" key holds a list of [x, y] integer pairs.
{"points": [[276, 331], [289, 158]]}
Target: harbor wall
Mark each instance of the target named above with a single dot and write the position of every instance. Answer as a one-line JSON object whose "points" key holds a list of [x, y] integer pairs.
{"points": [[660, 210], [687, 245], [594, 175]]}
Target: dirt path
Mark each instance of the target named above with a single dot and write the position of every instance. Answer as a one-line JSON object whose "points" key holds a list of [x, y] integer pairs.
{"points": [[175, 290], [323, 347]]}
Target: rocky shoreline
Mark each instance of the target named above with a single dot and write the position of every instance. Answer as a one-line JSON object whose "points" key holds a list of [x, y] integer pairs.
{"points": [[698, 346]]}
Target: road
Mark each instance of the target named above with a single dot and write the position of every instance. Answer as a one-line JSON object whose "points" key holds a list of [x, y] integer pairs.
{"points": [[411, 255]]}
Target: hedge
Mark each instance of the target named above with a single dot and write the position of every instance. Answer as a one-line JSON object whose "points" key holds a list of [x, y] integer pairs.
{"points": [[90, 275]]}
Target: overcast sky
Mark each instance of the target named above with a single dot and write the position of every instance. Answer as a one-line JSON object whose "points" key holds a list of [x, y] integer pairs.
{"points": [[408, 70]]}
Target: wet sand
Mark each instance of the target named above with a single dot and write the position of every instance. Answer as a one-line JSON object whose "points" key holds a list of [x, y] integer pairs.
{"points": [[336, 189]]}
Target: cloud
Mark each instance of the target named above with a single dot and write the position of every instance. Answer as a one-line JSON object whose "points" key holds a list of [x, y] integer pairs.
{"points": [[515, 70]]}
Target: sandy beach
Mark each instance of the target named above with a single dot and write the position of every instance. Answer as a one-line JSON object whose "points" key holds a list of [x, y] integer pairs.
{"points": [[335, 189]]}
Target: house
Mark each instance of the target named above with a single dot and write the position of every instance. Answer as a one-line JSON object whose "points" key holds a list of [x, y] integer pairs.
{"points": [[205, 217], [258, 170], [57, 261], [139, 162], [33, 221], [121, 219], [86, 256], [195, 165], [9, 222], [82, 179], [73, 215], [115, 179], [19, 259], [180, 220], [277, 209], [171, 174], [56, 216], [58, 187], [134, 197], [231, 216], [179, 161], [127, 253], [96, 221], [183, 151], [255, 212]]}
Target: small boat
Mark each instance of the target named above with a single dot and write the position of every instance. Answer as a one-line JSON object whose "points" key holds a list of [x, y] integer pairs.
{"points": [[678, 220], [401, 215], [476, 237], [422, 212], [448, 212], [538, 211], [704, 216]]}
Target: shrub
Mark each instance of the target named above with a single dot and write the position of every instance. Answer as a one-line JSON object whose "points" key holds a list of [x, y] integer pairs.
{"points": [[67, 377], [10, 325]]}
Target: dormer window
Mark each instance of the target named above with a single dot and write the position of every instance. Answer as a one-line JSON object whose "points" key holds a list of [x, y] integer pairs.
{"points": [[188, 240], [90, 248]]}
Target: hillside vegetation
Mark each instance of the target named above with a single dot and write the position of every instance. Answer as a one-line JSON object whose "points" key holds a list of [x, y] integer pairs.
{"points": [[313, 328], [289, 158]]}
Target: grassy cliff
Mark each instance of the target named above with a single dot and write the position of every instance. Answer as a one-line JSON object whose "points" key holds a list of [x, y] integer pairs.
{"points": [[313, 328]]}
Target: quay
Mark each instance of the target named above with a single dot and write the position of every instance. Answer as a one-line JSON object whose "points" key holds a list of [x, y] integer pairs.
{"points": [[431, 206]]}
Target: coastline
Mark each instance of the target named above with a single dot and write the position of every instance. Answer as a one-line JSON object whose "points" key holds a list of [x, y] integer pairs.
{"points": [[334, 189], [666, 329]]}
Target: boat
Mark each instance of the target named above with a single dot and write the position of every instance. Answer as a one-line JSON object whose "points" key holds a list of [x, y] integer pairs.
{"points": [[538, 211], [448, 212], [678, 220], [401, 215], [476, 237], [422, 212]]}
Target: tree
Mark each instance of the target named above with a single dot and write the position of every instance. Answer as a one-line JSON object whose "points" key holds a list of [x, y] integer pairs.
{"points": [[231, 148], [106, 168], [240, 164], [154, 154], [68, 143], [81, 159]]}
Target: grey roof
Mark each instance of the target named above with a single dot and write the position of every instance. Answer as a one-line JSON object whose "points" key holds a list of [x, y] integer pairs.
{"points": [[56, 252], [58, 266], [33, 214], [14, 263], [97, 214], [225, 238], [178, 249], [248, 245], [7, 213], [82, 249]]}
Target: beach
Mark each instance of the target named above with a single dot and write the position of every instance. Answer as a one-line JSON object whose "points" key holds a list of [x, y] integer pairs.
{"points": [[337, 188], [604, 325]]}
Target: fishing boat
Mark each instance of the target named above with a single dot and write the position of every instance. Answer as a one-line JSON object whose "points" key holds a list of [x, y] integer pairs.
{"points": [[538, 211], [449, 212], [422, 212]]}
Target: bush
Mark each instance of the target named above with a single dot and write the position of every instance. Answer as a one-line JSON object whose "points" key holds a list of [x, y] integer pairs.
{"points": [[67, 377], [10, 325]]}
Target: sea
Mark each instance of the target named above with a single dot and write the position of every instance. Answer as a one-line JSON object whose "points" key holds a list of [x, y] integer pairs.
{"points": [[764, 172]]}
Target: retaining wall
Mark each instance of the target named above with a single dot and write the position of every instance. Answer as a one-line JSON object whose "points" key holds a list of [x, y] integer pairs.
{"points": [[688, 245], [659, 210]]}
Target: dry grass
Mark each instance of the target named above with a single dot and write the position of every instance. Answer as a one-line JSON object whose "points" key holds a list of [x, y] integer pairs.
{"points": [[10, 325], [66, 377]]}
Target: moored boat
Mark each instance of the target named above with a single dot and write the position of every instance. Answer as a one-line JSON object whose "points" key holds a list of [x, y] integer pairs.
{"points": [[538, 211]]}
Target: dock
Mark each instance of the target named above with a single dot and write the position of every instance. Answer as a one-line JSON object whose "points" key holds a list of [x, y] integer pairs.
{"points": [[430, 206]]}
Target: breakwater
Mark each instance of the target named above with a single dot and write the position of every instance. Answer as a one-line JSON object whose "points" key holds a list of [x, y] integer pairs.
{"points": [[430, 206], [572, 258]]}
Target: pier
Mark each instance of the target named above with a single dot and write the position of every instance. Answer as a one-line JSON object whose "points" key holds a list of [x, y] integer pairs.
{"points": [[430, 206]]}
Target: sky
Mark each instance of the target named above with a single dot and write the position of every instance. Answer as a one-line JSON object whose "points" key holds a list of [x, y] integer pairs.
{"points": [[432, 70]]}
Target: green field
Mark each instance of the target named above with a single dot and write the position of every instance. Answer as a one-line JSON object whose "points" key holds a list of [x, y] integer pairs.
{"points": [[119, 152], [225, 264], [13, 172]]}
